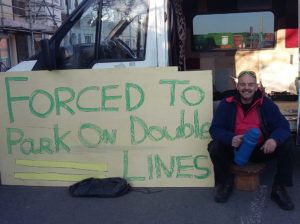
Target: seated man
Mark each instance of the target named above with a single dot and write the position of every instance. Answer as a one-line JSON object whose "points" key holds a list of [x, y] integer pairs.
{"points": [[247, 109]]}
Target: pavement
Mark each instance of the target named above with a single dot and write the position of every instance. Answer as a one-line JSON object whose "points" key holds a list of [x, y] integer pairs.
{"points": [[54, 205]]}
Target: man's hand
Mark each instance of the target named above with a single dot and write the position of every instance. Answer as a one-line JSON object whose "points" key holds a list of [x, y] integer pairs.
{"points": [[237, 140], [269, 146]]}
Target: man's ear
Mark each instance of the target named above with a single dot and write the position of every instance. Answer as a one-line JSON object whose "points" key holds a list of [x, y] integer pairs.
{"points": [[235, 80], [260, 85]]}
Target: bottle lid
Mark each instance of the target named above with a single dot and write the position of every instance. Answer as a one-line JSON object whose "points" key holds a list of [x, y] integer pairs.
{"points": [[254, 133]]}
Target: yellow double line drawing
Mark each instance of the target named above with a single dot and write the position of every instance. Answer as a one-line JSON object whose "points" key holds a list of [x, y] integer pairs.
{"points": [[59, 176]]}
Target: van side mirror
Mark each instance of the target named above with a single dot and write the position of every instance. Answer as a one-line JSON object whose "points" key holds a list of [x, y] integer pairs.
{"points": [[48, 55]]}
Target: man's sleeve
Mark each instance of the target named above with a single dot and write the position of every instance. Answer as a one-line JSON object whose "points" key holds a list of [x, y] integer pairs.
{"points": [[220, 128], [279, 126]]}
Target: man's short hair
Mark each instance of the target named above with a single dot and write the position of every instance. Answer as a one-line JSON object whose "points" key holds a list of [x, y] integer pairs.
{"points": [[251, 73]]}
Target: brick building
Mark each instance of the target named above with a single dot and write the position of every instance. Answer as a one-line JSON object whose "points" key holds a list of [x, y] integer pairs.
{"points": [[24, 23]]}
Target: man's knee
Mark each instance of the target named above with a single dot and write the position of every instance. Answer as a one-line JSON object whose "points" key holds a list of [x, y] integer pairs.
{"points": [[215, 148], [287, 147]]}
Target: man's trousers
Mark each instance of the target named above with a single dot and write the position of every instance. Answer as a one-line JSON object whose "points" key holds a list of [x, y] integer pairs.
{"points": [[222, 157]]}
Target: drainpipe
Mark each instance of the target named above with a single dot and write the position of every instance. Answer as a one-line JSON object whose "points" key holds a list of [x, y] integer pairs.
{"points": [[30, 26], [1, 12]]}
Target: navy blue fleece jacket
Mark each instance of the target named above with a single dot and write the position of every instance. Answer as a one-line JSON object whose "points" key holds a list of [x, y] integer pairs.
{"points": [[275, 124]]}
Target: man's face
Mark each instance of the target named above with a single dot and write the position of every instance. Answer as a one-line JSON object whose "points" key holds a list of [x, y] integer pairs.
{"points": [[247, 87]]}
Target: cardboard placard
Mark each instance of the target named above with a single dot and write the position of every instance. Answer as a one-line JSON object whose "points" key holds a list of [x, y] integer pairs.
{"points": [[148, 125]]}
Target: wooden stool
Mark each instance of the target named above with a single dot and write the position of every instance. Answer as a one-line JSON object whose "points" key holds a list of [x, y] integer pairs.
{"points": [[247, 177]]}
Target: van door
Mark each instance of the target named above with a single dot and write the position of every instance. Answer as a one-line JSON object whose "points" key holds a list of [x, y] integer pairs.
{"points": [[107, 34]]}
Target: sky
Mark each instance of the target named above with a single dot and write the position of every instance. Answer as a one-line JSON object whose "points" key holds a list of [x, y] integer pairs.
{"points": [[233, 22]]}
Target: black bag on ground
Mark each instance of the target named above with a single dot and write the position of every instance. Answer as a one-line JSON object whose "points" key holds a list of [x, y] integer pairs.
{"points": [[103, 188]]}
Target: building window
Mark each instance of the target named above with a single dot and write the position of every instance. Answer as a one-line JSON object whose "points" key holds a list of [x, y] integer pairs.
{"points": [[88, 38], [19, 7], [251, 30], [4, 55]]}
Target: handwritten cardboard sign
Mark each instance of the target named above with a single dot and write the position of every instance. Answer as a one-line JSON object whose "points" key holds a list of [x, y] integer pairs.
{"points": [[149, 126]]}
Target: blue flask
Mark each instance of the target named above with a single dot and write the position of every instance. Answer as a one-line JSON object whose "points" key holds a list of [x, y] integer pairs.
{"points": [[249, 142]]}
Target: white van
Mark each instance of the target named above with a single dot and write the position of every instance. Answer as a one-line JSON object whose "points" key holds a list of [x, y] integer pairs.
{"points": [[223, 36], [129, 34]]}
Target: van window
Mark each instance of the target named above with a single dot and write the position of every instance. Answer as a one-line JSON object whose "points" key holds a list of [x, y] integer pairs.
{"points": [[122, 37], [77, 48], [123, 34], [233, 31]]}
